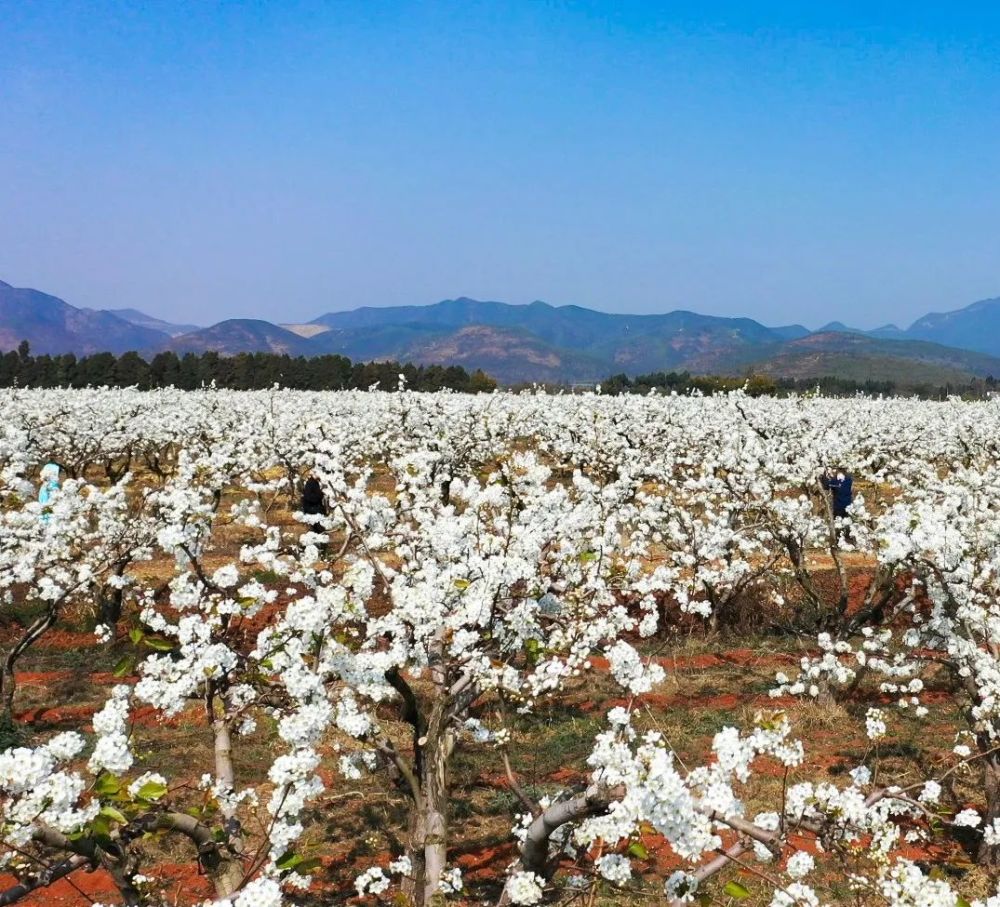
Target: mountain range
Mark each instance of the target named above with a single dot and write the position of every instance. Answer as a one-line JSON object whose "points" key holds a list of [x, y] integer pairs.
{"points": [[537, 342]]}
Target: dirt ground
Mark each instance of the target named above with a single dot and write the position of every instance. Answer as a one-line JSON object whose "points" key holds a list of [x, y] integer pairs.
{"points": [[712, 681]]}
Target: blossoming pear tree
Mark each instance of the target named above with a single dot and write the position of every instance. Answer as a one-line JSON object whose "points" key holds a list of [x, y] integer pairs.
{"points": [[480, 558]]}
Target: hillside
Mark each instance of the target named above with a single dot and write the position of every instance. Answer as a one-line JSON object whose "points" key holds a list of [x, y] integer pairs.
{"points": [[860, 357], [537, 342], [633, 343], [567, 326], [53, 326], [242, 335], [376, 342], [509, 355], [686, 340], [134, 316], [976, 327]]}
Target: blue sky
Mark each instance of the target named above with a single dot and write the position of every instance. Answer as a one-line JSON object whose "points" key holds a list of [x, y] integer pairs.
{"points": [[785, 161]]}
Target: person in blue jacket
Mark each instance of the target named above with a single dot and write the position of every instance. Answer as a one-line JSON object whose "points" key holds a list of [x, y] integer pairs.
{"points": [[50, 484], [841, 491]]}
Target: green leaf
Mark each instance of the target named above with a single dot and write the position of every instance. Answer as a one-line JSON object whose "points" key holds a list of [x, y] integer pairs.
{"points": [[308, 866], [124, 666], [288, 860], [136, 635], [462, 584], [587, 556], [107, 786], [962, 902], [100, 827], [159, 645], [638, 850], [736, 890], [151, 790], [114, 814]]}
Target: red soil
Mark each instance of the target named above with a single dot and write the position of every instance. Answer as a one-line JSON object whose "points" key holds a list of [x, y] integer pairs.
{"points": [[41, 678], [47, 678], [57, 714], [184, 885], [484, 863], [481, 861], [144, 716], [79, 889]]}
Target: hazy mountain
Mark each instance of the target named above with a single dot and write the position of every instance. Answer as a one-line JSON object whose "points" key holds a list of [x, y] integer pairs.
{"points": [[242, 335], [685, 340], [375, 342], [605, 344], [858, 356], [837, 327], [888, 332], [629, 343], [567, 326], [53, 326], [538, 342], [976, 327], [511, 355], [792, 331], [134, 316]]}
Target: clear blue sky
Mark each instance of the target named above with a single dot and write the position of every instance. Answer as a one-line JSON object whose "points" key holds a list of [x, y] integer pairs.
{"points": [[787, 161]]}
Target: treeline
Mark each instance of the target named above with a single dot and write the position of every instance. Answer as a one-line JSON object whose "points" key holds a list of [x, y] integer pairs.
{"points": [[764, 385], [244, 371], [256, 371]]}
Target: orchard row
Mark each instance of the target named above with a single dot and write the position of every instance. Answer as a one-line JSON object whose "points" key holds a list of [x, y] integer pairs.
{"points": [[475, 559]]}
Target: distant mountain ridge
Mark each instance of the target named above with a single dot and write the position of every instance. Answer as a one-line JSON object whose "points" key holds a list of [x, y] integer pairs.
{"points": [[976, 327], [242, 335], [861, 357], [53, 326], [134, 316], [630, 343], [537, 342]]}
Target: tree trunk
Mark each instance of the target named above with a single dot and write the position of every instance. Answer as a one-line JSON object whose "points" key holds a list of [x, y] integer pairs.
{"points": [[435, 803], [110, 610], [223, 870], [413, 885], [227, 873], [534, 856], [989, 854], [7, 682], [428, 827]]}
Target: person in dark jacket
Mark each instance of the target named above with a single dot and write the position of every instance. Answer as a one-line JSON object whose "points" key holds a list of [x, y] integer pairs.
{"points": [[313, 502], [841, 491]]}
